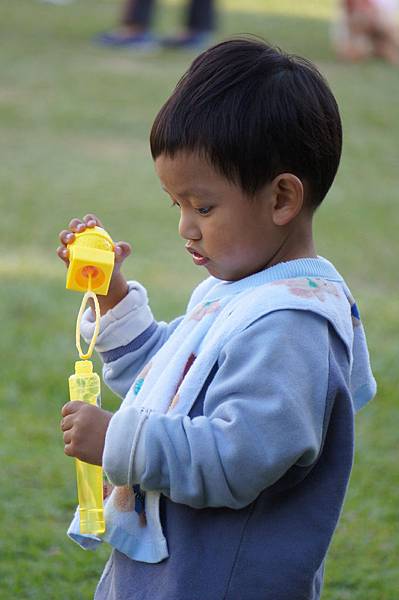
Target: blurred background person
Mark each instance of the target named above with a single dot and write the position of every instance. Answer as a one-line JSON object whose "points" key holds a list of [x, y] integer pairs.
{"points": [[367, 28], [136, 21]]}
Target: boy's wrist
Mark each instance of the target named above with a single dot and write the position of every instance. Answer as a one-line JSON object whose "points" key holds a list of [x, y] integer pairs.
{"points": [[118, 289]]}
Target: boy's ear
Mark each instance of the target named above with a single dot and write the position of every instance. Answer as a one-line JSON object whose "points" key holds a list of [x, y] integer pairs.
{"points": [[288, 198]]}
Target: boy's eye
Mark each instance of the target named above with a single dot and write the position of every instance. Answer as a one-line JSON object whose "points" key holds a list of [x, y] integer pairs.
{"points": [[204, 211]]}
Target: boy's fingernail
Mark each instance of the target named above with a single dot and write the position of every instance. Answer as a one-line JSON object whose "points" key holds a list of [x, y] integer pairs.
{"points": [[91, 223], [118, 250], [79, 227], [64, 252], [69, 236]]}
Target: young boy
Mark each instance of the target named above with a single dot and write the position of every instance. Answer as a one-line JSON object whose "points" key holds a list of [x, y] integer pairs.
{"points": [[231, 451]]}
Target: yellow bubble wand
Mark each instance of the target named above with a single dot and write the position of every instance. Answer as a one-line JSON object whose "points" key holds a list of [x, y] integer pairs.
{"points": [[91, 262]]}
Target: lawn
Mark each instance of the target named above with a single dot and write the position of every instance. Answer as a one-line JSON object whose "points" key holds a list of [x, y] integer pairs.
{"points": [[74, 122]]}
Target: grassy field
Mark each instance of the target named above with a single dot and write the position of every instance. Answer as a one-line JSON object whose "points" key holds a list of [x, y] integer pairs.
{"points": [[74, 122]]}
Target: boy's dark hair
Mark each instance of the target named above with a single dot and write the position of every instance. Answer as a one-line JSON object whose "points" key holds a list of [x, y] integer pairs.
{"points": [[254, 112]]}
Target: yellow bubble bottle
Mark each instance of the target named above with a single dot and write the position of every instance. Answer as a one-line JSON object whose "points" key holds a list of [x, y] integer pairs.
{"points": [[85, 386], [91, 262]]}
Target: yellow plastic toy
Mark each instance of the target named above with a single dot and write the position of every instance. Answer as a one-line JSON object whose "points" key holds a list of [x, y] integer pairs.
{"points": [[84, 385], [91, 258], [91, 254]]}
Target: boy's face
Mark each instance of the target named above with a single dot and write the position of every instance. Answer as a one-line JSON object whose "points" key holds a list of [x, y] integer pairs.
{"points": [[229, 234]]}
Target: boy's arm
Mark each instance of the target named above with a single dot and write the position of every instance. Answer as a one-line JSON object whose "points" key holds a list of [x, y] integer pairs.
{"points": [[263, 413], [129, 322], [128, 338]]}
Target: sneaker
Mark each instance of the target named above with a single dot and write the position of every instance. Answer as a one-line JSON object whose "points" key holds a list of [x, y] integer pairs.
{"points": [[139, 41], [192, 41]]}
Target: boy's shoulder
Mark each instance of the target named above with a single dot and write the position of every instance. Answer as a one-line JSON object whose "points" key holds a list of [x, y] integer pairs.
{"points": [[312, 286], [324, 296], [316, 295]]}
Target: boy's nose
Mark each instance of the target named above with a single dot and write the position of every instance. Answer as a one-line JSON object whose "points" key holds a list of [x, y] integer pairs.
{"points": [[188, 229]]}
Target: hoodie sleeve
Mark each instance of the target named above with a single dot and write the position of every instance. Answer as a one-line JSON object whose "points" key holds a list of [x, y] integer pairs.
{"points": [[263, 412]]}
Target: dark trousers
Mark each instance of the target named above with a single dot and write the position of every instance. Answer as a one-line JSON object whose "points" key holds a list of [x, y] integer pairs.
{"points": [[200, 14]]}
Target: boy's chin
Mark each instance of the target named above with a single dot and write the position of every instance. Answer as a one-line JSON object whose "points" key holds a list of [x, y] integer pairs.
{"points": [[223, 274], [215, 272]]}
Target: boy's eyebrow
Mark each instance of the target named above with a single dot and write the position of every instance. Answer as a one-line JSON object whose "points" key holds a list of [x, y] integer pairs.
{"points": [[193, 192]]}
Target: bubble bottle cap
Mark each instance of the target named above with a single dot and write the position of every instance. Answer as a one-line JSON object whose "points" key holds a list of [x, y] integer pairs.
{"points": [[83, 367], [91, 256]]}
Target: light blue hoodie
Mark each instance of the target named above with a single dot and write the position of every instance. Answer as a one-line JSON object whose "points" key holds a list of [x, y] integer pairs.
{"points": [[254, 357]]}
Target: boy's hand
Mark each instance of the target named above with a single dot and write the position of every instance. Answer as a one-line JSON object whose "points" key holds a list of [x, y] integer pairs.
{"points": [[118, 287], [84, 426]]}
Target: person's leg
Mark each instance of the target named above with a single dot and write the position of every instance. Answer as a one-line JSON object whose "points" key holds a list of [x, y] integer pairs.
{"points": [[138, 14], [350, 36], [385, 46], [384, 36], [134, 30], [199, 23], [200, 15]]}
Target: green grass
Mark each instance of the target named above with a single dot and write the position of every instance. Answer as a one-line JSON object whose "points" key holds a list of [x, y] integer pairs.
{"points": [[74, 124]]}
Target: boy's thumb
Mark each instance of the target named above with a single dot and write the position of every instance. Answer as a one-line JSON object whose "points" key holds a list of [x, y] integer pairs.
{"points": [[122, 251]]}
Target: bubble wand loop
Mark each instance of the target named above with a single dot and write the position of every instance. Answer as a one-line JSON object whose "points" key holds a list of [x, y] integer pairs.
{"points": [[91, 264], [88, 295]]}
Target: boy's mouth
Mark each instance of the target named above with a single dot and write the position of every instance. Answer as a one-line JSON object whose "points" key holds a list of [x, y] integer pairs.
{"points": [[197, 257]]}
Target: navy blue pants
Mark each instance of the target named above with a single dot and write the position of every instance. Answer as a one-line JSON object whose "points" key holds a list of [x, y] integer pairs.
{"points": [[200, 14]]}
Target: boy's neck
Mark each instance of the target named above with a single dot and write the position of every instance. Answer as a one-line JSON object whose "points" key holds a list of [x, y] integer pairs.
{"points": [[297, 242]]}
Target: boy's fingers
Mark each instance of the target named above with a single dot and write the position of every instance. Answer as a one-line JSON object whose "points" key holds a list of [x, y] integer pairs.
{"points": [[66, 423], [77, 225], [122, 251], [67, 437], [71, 407], [92, 220], [68, 448], [63, 254], [66, 236]]}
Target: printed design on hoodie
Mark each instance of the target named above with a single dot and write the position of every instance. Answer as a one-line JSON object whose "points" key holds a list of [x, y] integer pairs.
{"points": [[186, 369], [138, 384], [309, 287], [355, 314], [204, 309], [124, 498]]}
